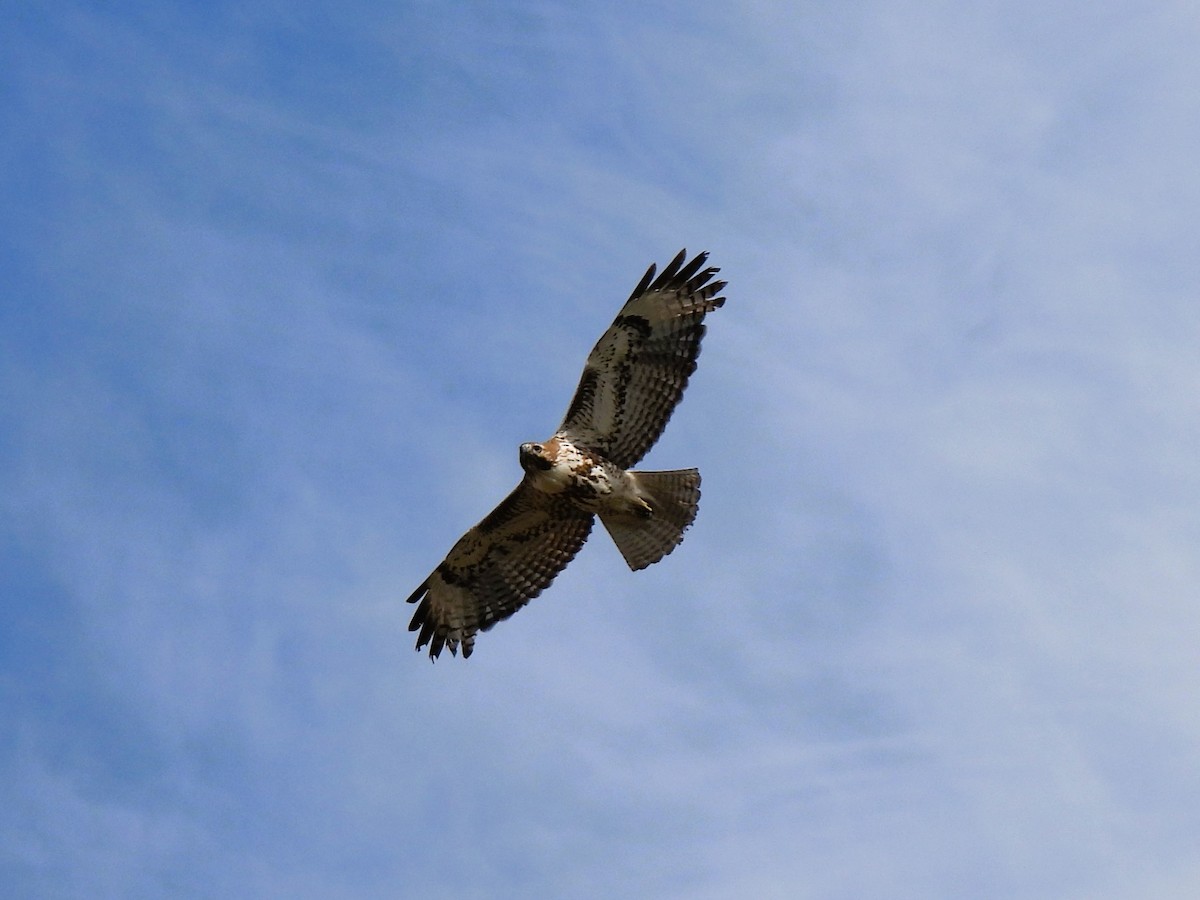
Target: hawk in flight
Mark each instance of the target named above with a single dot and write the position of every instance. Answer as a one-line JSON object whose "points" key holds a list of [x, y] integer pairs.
{"points": [[634, 377]]}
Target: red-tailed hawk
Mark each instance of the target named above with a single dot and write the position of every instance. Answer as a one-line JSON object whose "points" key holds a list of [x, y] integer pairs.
{"points": [[633, 379]]}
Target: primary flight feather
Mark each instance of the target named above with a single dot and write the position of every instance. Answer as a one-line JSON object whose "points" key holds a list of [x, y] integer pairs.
{"points": [[631, 383]]}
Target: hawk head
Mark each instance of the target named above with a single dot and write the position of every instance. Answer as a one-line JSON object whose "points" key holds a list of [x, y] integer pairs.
{"points": [[534, 458]]}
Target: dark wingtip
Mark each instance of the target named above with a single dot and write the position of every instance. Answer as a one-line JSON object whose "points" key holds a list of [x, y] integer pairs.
{"points": [[715, 289], [422, 623], [686, 273], [435, 641], [676, 274], [421, 590], [670, 270], [645, 282]]}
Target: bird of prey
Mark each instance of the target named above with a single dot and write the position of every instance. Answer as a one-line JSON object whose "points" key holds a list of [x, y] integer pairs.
{"points": [[634, 377]]}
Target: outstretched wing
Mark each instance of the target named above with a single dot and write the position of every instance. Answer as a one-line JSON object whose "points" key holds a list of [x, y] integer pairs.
{"points": [[496, 568], [639, 368]]}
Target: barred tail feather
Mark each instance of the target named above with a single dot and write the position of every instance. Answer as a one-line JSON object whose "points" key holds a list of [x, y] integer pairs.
{"points": [[674, 498]]}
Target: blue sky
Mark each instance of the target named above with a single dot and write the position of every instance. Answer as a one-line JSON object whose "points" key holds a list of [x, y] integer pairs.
{"points": [[282, 289]]}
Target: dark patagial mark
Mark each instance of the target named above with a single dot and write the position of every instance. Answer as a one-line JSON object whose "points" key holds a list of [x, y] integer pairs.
{"points": [[448, 575], [638, 324], [585, 394], [500, 515]]}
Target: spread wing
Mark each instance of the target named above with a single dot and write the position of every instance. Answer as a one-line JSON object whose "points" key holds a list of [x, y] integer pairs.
{"points": [[639, 368], [496, 568]]}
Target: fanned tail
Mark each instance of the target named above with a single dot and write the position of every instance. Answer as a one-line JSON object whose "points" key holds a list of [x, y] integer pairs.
{"points": [[674, 498]]}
